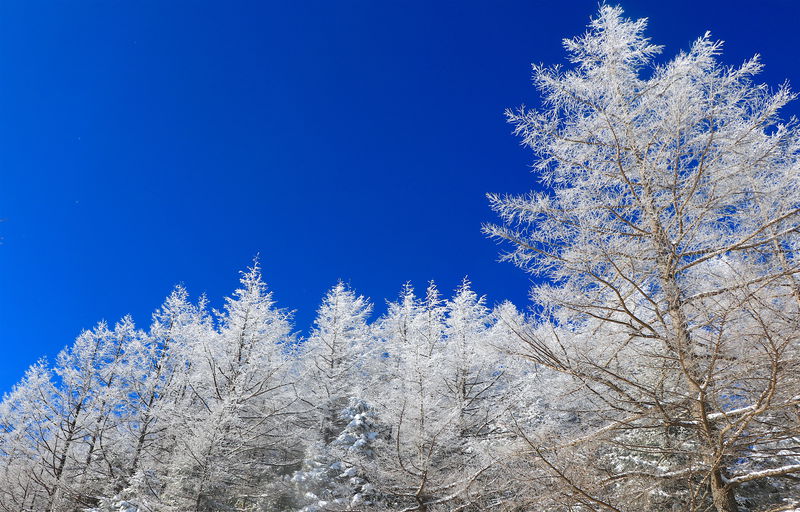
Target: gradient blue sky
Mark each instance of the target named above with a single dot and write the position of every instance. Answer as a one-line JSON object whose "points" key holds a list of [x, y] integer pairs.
{"points": [[149, 143]]}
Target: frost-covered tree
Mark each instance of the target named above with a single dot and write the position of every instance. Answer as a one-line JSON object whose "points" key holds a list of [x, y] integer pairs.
{"points": [[235, 430], [106, 454], [26, 423], [411, 394], [89, 389], [158, 396], [194, 414], [667, 237], [335, 358], [412, 335], [471, 371], [444, 396], [63, 422], [333, 477]]}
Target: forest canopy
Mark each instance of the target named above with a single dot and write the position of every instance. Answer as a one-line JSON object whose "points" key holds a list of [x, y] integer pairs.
{"points": [[657, 369]]}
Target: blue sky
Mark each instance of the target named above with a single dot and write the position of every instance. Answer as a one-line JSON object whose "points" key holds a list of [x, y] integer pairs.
{"points": [[145, 144]]}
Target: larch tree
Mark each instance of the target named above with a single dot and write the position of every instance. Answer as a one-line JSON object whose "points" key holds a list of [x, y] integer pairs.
{"points": [[236, 428], [335, 359], [666, 240], [26, 420], [412, 333], [412, 395], [471, 372], [444, 394], [159, 394], [61, 425], [88, 377]]}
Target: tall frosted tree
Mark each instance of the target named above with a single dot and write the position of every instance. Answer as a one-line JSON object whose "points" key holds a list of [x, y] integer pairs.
{"points": [[235, 432], [445, 393], [412, 393], [159, 395], [412, 331], [666, 237], [335, 358], [63, 423], [26, 429], [471, 371]]}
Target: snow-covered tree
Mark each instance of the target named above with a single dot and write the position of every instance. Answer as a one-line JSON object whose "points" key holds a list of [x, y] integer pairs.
{"points": [[444, 397], [26, 428], [235, 430], [61, 424], [666, 234], [469, 365], [335, 358], [89, 387], [412, 336], [158, 397], [332, 477]]}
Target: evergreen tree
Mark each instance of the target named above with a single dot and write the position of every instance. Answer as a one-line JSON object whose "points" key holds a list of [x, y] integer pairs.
{"points": [[332, 477]]}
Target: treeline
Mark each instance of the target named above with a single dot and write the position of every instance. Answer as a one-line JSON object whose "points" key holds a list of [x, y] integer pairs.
{"points": [[439, 404], [659, 368], [229, 410]]}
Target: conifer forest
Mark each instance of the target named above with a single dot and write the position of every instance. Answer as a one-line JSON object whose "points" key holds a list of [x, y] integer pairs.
{"points": [[656, 368]]}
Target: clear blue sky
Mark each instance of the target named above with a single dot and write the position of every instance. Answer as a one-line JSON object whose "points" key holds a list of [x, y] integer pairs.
{"points": [[149, 143]]}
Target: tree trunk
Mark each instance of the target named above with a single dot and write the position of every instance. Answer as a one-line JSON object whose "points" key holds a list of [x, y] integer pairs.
{"points": [[724, 499], [681, 343]]}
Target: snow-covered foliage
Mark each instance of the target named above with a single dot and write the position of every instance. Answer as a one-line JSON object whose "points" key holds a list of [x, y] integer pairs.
{"points": [[228, 410], [659, 370], [331, 477], [336, 356], [667, 234]]}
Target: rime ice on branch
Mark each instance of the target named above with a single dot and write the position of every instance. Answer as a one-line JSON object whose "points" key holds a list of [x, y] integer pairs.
{"points": [[667, 235]]}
